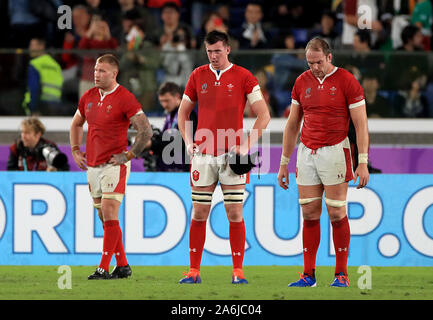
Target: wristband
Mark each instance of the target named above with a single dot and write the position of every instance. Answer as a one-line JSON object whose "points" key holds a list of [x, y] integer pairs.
{"points": [[75, 148], [130, 155], [284, 160], [363, 158]]}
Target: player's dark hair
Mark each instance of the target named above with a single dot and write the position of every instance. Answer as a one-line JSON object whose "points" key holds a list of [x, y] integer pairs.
{"points": [[215, 36], [169, 87], [110, 59], [318, 44]]}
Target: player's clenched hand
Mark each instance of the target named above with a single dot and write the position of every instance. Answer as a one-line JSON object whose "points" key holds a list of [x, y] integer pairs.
{"points": [[363, 174], [80, 159], [118, 159], [192, 148], [283, 177]]}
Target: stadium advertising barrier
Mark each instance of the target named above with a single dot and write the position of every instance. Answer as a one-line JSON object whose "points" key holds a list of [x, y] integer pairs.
{"points": [[48, 219]]}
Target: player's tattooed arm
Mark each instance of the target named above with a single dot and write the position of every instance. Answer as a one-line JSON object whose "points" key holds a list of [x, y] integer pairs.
{"points": [[144, 132]]}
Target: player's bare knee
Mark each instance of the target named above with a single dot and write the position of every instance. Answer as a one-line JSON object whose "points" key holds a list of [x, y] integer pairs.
{"points": [[234, 212], [336, 209], [311, 207]]}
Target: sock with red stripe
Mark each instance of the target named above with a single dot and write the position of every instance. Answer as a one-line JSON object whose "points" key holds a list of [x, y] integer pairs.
{"points": [[310, 243], [197, 237], [112, 234], [237, 243], [341, 237]]}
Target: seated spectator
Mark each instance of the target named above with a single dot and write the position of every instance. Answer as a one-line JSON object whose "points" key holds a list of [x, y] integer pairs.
{"points": [[168, 146], [139, 64], [177, 63], [327, 30], [412, 103], [44, 82], [131, 13], [252, 35], [97, 37], [422, 17], [32, 152], [170, 16], [214, 21], [377, 106], [412, 39]]}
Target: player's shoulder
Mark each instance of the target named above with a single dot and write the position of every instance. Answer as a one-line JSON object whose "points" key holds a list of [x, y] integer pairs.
{"points": [[304, 76], [344, 74], [241, 70], [90, 92], [201, 69]]}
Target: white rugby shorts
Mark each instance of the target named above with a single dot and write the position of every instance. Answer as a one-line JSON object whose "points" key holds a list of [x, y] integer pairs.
{"points": [[108, 178], [207, 169], [328, 165]]}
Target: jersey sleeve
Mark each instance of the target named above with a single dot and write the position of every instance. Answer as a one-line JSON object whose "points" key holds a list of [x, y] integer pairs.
{"points": [[251, 84], [82, 106], [131, 105], [191, 87], [295, 94], [354, 92]]}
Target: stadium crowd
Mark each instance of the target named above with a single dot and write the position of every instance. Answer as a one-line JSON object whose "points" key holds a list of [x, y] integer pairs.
{"points": [[162, 40]]}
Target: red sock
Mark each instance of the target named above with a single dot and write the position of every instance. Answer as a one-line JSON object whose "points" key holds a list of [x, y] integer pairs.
{"points": [[237, 243], [341, 237], [197, 237], [112, 233], [119, 252], [310, 242]]}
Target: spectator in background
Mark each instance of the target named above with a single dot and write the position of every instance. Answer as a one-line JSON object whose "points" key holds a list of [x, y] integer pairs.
{"points": [[214, 21], [138, 64], [176, 62], [130, 13], [170, 16], [377, 106], [422, 17], [44, 82], [327, 30], [26, 153], [350, 21], [252, 35], [97, 37], [80, 23], [412, 39], [412, 103]]}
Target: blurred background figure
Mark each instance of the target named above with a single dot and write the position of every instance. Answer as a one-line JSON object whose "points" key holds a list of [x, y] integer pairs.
{"points": [[44, 82], [32, 152]]}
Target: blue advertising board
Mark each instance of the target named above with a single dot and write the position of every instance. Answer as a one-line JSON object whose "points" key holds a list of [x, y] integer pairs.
{"points": [[48, 219]]}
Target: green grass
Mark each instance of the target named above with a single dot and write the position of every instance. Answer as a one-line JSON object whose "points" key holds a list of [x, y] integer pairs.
{"points": [[266, 283]]}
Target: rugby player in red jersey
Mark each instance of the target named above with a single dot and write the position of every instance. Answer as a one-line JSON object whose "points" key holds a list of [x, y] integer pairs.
{"points": [[109, 109], [325, 97], [221, 90]]}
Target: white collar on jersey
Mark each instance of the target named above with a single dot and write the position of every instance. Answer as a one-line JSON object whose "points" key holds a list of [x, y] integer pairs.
{"points": [[218, 75], [103, 95], [328, 75]]}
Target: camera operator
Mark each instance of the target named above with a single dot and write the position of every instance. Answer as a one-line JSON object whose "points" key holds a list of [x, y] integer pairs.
{"points": [[172, 159], [32, 152]]}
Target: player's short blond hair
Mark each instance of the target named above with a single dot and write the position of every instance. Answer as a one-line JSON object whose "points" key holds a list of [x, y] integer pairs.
{"points": [[109, 58], [34, 124], [318, 44]]}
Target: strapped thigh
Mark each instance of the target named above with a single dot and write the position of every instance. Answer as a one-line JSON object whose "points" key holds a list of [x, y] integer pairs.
{"points": [[308, 200], [233, 196], [202, 197], [335, 203]]}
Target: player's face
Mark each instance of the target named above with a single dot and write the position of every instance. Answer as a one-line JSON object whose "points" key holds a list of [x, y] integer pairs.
{"points": [[105, 75], [29, 137], [319, 63], [218, 54], [169, 102]]}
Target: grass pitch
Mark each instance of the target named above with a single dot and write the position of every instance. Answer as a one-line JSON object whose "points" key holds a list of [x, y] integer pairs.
{"points": [[161, 283]]}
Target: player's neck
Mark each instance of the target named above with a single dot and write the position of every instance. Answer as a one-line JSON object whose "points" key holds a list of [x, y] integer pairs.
{"points": [[328, 72], [108, 89]]}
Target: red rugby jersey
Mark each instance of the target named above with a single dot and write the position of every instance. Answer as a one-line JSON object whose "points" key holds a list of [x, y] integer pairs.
{"points": [[326, 105], [108, 122], [221, 101]]}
